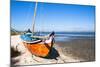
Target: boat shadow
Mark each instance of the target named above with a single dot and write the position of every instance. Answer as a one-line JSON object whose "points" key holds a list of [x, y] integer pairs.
{"points": [[53, 54]]}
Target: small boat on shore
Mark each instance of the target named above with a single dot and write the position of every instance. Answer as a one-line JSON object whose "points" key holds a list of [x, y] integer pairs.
{"points": [[38, 45]]}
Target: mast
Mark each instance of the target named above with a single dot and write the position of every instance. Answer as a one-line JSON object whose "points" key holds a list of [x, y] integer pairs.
{"points": [[34, 17]]}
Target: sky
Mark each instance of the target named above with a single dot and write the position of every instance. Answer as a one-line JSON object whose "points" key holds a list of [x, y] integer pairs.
{"points": [[52, 16]]}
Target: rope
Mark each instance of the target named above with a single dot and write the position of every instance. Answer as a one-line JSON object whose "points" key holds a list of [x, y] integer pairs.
{"points": [[27, 25]]}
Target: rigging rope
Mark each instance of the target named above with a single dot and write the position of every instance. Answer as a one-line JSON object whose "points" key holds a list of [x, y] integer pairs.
{"points": [[27, 24]]}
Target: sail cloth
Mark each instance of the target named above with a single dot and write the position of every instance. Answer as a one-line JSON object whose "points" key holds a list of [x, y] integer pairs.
{"points": [[82, 2]]}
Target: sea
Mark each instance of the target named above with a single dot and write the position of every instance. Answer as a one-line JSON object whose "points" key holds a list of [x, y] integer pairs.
{"points": [[66, 36]]}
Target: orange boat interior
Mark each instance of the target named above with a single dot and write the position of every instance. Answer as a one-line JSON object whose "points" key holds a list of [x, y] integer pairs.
{"points": [[40, 49]]}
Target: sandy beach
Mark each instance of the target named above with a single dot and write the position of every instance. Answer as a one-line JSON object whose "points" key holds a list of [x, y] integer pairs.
{"points": [[83, 48], [76, 50]]}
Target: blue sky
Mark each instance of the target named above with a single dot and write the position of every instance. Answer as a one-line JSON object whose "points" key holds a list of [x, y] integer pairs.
{"points": [[52, 17]]}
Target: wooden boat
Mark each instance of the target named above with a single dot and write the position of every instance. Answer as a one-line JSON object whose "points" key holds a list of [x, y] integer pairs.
{"points": [[38, 45]]}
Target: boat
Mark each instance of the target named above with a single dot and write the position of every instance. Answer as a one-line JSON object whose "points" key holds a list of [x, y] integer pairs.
{"points": [[38, 45]]}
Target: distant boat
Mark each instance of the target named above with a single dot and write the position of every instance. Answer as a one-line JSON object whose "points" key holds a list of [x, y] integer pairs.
{"points": [[38, 45]]}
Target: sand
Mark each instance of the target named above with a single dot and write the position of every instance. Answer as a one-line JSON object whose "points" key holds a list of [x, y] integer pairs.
{"points": [[20, 55], [83, 48]]}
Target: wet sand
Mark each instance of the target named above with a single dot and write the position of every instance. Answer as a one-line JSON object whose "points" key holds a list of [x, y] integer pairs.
{"points": [[82, 47]]}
